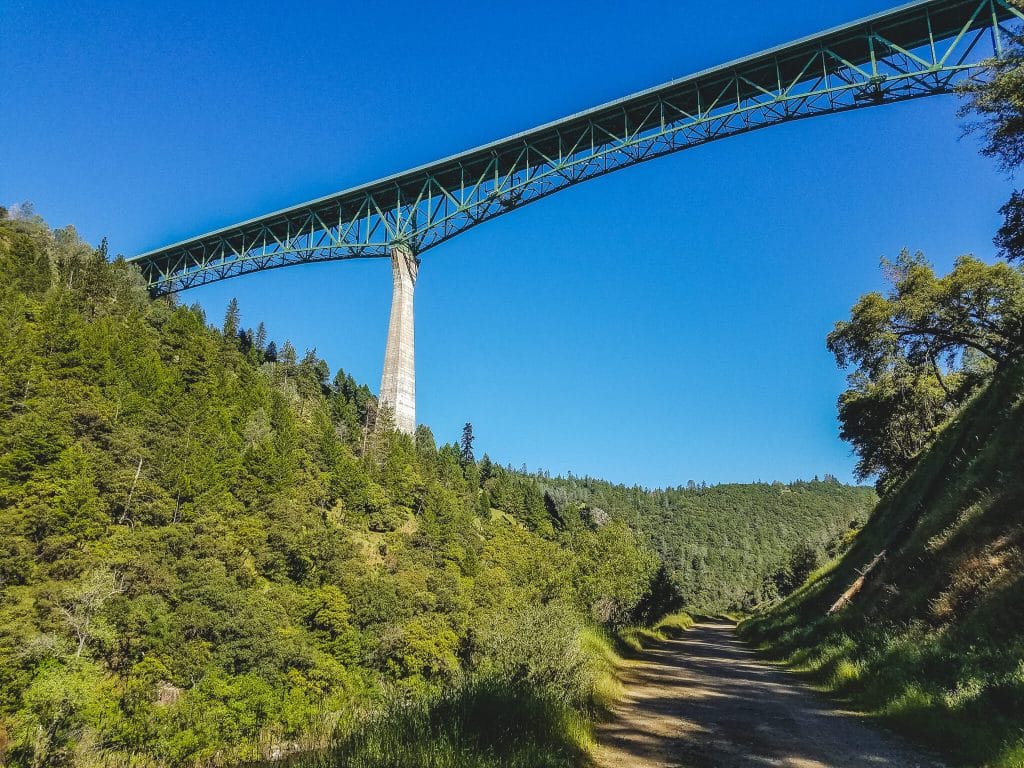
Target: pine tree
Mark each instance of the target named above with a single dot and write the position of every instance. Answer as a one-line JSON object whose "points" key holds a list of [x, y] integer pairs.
{"points": [[466, 446], [288, 356], [260, 339], [232, 318], [486, 468]]}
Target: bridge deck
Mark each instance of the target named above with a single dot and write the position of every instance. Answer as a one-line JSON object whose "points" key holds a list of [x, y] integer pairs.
{"points": [[914, 50]]}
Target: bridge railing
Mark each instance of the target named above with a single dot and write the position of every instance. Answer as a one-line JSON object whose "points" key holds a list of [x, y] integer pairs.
{"points": [[921, 49]]}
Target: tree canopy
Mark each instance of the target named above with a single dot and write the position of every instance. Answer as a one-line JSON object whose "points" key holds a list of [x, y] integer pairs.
{"points": [[919, 351], [995, 105]]}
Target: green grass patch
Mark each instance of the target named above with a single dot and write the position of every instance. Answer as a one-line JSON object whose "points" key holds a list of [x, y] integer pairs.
{"points": [[674, 625], [633, 640]]}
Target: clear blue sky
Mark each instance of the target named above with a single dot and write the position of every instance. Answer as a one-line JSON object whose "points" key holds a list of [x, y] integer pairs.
{"points": [[662, 324]]}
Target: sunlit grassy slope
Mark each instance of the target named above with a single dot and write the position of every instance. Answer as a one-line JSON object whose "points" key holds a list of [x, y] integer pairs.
{"points": [[934, 643]]}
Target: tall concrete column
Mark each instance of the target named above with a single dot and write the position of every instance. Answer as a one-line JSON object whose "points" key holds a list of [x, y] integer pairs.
{"points": [[398, 384]]}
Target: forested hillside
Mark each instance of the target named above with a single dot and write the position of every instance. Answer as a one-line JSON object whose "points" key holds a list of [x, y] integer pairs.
{"points": [[730, 546], [212, 551]]}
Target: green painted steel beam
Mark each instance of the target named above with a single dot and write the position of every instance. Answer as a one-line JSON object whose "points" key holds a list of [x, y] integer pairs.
{"points": [[921, 49]]}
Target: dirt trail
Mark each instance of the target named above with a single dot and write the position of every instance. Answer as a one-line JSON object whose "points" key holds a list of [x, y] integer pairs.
{"points": [[705, 701]]}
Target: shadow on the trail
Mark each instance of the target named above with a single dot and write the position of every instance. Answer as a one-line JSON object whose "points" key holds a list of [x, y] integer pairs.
{"points": [[705, 701]]}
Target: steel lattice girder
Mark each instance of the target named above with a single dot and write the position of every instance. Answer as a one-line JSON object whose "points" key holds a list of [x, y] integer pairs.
{"points": [[920, 49]]}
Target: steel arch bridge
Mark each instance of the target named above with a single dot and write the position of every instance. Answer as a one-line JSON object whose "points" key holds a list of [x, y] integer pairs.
{"points": [[920, 49]]}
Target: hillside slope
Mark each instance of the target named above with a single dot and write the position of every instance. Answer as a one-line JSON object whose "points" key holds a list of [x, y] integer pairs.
{"points": [[934, 642], [734, 545], [209, 552]]}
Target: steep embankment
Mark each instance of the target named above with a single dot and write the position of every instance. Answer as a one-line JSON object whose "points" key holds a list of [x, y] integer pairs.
{"points": [[934, 642]]}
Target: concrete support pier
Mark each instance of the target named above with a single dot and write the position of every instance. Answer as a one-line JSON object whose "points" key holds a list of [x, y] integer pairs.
{"points": [[398, 384]]}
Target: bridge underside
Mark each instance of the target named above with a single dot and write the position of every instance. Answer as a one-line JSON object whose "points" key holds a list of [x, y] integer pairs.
{"points": [[921, 49]]}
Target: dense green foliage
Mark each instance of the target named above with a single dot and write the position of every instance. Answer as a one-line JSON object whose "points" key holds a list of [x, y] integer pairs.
{"points": [[211, 553], [491, 722], [918, 352], [935, 640], [730, 546], [996, 106]]}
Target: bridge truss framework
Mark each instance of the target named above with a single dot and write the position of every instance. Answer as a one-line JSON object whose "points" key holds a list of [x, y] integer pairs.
{"points": [[921, 49]]}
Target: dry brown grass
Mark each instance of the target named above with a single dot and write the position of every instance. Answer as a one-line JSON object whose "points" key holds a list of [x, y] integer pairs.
{"points": [[995, 565]]}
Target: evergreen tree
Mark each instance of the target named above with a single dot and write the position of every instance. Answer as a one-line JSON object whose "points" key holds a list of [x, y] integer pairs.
{"points": [[260, 337], [288, 355], [466, 446], [232, 320], [486, 468], [424, 440], [245, 340]]}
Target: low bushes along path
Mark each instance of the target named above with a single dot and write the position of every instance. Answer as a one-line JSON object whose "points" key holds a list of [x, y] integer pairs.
{"points": [[705, 701]]}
